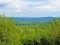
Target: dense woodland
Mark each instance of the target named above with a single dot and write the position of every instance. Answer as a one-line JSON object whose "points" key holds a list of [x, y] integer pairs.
{"points": [[45, 33]]}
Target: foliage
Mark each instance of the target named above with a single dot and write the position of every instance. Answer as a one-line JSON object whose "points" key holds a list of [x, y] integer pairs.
{"points": [[33, 34]]}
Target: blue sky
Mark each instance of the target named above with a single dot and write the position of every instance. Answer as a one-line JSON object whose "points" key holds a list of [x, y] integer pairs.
{"points": [[30, 8]]}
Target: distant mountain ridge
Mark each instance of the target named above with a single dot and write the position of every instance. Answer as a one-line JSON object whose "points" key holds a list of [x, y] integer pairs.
{"points": [[34, 19]]}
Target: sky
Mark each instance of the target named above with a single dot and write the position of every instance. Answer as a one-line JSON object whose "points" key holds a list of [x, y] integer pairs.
{"points": [[30, 8]]}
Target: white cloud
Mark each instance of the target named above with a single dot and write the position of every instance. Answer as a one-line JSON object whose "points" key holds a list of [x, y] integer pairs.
{"points": [[53, 5], [12, 5], [56, 3], [18, 5]]}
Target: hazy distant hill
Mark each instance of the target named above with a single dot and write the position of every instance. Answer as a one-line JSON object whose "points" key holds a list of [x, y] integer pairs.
{"points": [[32, 19]]}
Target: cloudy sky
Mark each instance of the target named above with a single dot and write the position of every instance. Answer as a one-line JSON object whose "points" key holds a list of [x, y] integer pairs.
{"points": [[30, 8]]}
